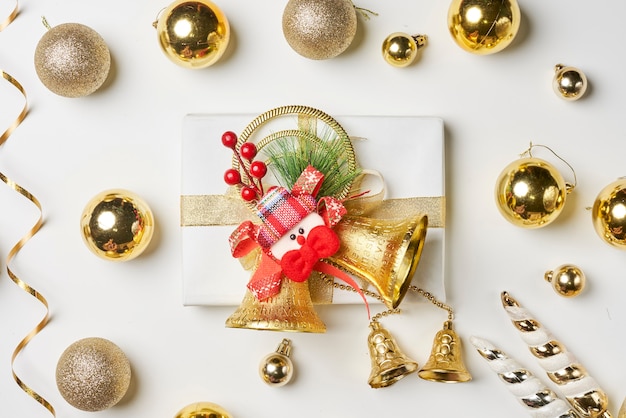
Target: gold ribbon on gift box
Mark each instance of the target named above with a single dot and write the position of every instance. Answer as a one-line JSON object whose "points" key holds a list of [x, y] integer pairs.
{"points": [[229, 209]]}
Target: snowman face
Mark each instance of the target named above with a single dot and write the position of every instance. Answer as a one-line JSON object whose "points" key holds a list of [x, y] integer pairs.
{"points": [[296, 236]]}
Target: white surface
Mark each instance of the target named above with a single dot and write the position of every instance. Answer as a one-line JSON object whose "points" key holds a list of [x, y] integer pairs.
{"points": [[128, 135], [211, 276]]}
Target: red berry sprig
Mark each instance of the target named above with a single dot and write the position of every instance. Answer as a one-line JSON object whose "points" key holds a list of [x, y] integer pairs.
{"points": [[258, 169]]}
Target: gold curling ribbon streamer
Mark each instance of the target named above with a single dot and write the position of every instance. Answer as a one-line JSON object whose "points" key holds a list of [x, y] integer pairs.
{"points": [[17, 247], [6, 22]]}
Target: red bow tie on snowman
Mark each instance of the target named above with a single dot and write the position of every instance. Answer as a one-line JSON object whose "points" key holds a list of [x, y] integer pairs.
{"points": [[294, 236]]}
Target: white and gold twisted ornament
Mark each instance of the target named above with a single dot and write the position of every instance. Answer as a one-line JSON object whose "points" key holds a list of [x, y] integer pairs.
{"points": [[574, 383], [538, 400]]}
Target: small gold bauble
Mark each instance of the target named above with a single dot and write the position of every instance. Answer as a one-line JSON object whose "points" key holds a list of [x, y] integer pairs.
{"points": [[319, 29], [72, 60], [117, 225], [193, 34], [530, 193], [93, 374], [484, 26], [400, 49], [567, 280], [569, 83], [203, 410], [276, 369], [609, 213]]}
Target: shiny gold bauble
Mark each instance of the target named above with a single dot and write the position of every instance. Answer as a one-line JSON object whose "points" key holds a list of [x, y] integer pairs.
{"points": [[609, 213], [566, 280], [569, 83], [93, 374], [319, 29], [530, 193], [193, 34], [276, 369], [400, 49], [203, 410], [117, 225], [72, 60], [484, 26]]}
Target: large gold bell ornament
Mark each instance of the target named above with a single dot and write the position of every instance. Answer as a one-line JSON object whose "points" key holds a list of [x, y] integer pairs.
{"points": [[319, 29], [531, 192], [203, 410], [609, 213], [193, 34], [117, 225], [483, 26]]}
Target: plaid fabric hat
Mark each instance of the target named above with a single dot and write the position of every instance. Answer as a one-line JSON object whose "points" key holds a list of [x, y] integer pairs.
{"points": [[280, 211]]}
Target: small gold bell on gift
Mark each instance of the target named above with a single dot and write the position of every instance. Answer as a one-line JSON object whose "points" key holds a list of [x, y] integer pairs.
{"points": [[531, 192], [446, 363], [276, 369], [389, 364]]}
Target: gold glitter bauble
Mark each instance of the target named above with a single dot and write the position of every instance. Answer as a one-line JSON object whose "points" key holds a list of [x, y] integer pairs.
{"points": [[72, 60], [566, 280], [609, 213], [193, 34], [319, 29], [93, 374], [530, 193], [484, 26], [117, 225], [203, 410]]}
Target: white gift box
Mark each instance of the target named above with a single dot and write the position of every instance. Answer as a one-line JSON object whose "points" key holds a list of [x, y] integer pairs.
{"points": [[407, 151]]}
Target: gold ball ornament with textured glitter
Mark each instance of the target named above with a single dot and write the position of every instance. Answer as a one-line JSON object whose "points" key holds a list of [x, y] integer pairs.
{"points": [[401, 50], [93, 374], [319, 29], [193, 34], [569, 83], [72, 60], [567, 280], [530, 192], [203, 410], [483, 26], [609, 213], [117, 225]]}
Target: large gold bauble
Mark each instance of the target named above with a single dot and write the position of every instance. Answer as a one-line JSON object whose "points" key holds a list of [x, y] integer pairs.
{"points": [[530, 193], [72, 60], [319, 29], [93, 374], [203, 410], [117, 225], [193, 34], [484, 26], [609, 213]]}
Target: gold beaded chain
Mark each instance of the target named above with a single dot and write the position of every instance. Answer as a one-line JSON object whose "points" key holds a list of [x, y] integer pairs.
{"points": [[429, 296]]}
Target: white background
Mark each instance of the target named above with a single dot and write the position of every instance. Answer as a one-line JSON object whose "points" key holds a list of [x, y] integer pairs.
{"points": [[128, 135]]}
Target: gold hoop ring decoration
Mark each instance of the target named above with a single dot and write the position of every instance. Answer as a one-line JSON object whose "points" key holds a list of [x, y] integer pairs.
{"points": [[307, 114]]}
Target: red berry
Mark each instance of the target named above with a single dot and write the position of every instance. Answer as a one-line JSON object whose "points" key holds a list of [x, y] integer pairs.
{"points": [[248, 150], [247, 193], [258, 169], [229, 139], [232, 177]]}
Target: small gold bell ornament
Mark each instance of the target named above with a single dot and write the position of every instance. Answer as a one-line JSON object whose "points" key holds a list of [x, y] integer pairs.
{"points": [[193, 34], [93, 374], [117, 225], [72, 60], [203, 410], [483, 26], [531, 192], [609, 213]]}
